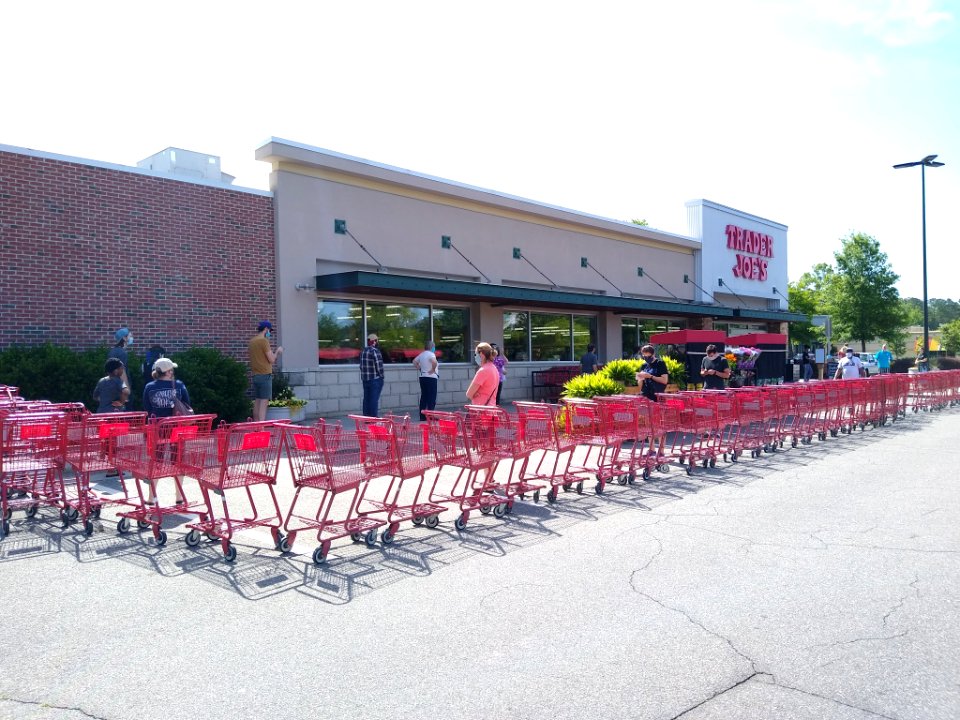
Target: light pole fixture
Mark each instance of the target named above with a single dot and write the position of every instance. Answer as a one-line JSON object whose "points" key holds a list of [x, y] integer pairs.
{"points": [[928, 161]]}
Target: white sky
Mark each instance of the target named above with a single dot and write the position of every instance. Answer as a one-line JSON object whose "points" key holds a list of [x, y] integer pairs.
{"points": [[792, 110]]}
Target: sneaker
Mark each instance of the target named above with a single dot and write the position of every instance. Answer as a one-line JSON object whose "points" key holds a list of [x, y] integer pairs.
{"points": [[113, 473]]}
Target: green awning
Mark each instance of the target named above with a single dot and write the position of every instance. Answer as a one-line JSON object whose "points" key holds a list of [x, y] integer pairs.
{"points": [[372, 283], [775, 315]]}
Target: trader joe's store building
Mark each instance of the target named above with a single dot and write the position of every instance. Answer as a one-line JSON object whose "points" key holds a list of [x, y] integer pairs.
{"points": [[366, 248]]}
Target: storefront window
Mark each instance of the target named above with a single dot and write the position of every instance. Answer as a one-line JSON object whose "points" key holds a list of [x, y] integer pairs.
{"points": [[339, 332], [451, 334], [636, 332], [584, 333], [515, 338], [629, 340], [402, 329], [549, 337]]}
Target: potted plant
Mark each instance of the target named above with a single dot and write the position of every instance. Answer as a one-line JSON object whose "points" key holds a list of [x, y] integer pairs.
{"points": [[285, 405], [623, 372], [677, 374]]}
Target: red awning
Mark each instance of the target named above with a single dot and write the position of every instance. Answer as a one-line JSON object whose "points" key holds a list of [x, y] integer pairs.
{"points": [[682, 337], [759, 339]]}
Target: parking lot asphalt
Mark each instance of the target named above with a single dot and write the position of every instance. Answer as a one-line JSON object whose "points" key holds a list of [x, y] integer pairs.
{"points": [[816, 582]]}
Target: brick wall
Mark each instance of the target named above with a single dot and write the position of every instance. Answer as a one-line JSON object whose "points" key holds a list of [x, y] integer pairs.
{"points": [[84, 249]]}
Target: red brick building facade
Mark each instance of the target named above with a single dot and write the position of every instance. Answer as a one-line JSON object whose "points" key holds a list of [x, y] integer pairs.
{"points": [[86, 247]]}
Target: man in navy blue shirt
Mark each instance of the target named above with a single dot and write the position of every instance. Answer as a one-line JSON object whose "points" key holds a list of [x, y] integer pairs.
{"points": [[371, 375]]}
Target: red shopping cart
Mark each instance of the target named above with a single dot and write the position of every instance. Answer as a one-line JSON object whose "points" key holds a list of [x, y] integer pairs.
{"points": [[602, 430], [243, 455], [389, 449], [151, 454], [327, 465], [494, 431], [90, 440], [31, 463], [543, 426]]}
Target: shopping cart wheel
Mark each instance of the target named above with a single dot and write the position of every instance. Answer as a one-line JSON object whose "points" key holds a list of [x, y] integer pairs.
{"points": [[536, 496], [432, 521], [143, 524], [500, 510], [621, 479], [567, 486], [64, 520], [705, 462], [371, 538], [598, 488], [713, 462], [552, 496], [509, 507], [320, 555], [387, 537], [32, 510], [734, 455], [484, 509], [88, 527], [123, 525], [580, 488], [192, 538], [416, 520], [72, 513], [459, 523], [689, 469], [161, 538], [356, 537], [230, 554], [4, 529], [793, 443], [646, 474], [284, 544]]}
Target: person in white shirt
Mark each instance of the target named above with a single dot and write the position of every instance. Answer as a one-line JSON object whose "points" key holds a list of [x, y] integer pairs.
{"points": [[426, 365], [849, 367]]}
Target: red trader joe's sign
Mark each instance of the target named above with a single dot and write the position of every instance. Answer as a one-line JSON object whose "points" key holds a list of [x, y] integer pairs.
{"points": [[751, 248]]}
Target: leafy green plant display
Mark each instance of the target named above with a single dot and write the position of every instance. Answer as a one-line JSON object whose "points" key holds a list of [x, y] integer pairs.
{"points": [[587, 386], [283, 394], [622, 371], [676, 371]]}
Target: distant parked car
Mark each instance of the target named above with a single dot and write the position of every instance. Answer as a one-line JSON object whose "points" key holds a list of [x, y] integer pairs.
{"points": [[869, 362]]}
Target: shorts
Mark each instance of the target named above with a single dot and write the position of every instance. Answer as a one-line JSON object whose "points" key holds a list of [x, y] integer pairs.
{"points": [[263, 387]]}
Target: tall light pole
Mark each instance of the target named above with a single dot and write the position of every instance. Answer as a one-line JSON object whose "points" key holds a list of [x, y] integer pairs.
{"points": [[928, 161]]}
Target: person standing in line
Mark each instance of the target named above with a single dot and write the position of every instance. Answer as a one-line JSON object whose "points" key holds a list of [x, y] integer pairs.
{"points": [[426, 365], [483, 387], [111, 393], [849, 367], [806, 364], [884, 357], [652, 378], [714, 369], [589, 361], [158, 398], [500, 362], [371, 375], [262, 359], [123, 339], [922, 364]]}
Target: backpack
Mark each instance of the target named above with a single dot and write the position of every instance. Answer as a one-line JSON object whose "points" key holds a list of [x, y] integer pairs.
{"points": [[153, 354]]}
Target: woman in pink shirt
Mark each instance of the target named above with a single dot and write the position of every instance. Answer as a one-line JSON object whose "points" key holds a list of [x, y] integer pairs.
{"points": [[483, 389]]}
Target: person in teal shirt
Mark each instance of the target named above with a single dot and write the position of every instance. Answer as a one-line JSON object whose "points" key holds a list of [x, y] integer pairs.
{"points": [[883, 359]]}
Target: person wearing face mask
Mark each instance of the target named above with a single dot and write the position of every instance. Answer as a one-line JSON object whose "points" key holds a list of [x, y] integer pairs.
{"points": [[426, 365], [714, 369], [123, 339], [483, 388], [653, 375], [262, 359], [371, 375], [849, 367]]}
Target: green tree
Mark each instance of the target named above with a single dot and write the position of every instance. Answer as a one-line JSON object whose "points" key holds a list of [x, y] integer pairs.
{"points": [[643, 222], [950, 336], [912, 311], [942, 312], [803, 300], [863, 297]]}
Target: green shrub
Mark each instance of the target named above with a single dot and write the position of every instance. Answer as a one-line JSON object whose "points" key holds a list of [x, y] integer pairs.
{"points": [[677, 372], [216, 382], [901, 365], [622, 371], [51, 372], [586, 386], [948, 363]]}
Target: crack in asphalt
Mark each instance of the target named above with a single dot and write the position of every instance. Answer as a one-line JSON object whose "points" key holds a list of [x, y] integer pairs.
{"points": [[916, 591], [51, 707], [868, 638], [717, 694], [507, 589], [833, 700]]}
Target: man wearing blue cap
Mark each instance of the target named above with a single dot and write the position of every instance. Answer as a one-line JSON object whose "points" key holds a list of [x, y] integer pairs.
{"points": [[262, 359], [123, 339]]}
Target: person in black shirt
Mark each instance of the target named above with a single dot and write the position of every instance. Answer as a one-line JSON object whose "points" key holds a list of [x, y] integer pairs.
{"points": [[714, 369], [653, 376]]}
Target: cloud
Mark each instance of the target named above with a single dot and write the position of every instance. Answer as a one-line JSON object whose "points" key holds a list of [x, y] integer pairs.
{"points": [[895, 23]]}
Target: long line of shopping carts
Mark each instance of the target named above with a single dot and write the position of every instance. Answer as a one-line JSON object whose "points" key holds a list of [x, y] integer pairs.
{"points": [[368, 482]]}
